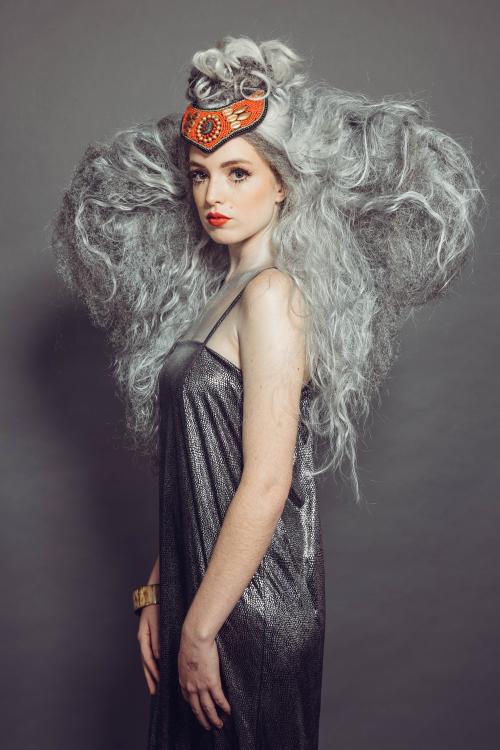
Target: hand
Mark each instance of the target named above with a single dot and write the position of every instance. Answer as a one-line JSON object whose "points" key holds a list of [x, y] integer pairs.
{"points": [[148, 636], [199, 679]]}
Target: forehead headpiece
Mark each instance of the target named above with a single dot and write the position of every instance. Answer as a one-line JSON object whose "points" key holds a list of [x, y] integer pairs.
{"points": [[210, 128]]}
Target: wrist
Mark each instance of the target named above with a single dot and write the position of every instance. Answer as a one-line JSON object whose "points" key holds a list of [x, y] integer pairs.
{"points": [[196, 631], [145, 595]]}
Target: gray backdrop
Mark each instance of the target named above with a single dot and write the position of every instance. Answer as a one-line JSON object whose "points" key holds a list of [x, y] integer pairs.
{"points": [[412, 648]]}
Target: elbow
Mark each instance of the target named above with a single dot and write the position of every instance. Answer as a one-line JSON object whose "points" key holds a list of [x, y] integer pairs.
{"points": [[272, 489]]}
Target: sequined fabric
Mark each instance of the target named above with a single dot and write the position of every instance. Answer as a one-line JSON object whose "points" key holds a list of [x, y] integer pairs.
{"points": [[271, 645]]}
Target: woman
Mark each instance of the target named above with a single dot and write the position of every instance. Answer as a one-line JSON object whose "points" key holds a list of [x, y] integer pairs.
{"points": [[253, 260]]}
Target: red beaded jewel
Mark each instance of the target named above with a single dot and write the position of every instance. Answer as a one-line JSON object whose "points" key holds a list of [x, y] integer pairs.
{"points": [[210, 128]]}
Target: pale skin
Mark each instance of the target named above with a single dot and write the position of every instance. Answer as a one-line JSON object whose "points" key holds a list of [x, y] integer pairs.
{"points": [[272, 360]]}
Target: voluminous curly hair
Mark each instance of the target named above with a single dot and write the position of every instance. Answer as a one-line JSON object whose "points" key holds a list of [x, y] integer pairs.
{"points": [[377, 220]]}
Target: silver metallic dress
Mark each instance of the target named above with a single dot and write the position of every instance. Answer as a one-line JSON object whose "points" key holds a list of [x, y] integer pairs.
{"points": [[271, 645]]}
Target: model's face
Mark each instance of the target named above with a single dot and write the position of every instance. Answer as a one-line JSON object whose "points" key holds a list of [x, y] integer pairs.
{"points": [[234, 180]]}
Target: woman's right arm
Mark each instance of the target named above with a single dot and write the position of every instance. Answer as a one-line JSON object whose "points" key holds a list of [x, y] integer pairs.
{"points": [[155, 573], [148, 635]]}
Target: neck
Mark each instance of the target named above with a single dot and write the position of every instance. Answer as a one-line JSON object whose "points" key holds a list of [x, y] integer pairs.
{"points": [[253, 253]]}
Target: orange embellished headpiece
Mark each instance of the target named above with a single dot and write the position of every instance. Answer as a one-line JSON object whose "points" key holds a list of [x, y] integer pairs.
{"points": [[210, 128]]}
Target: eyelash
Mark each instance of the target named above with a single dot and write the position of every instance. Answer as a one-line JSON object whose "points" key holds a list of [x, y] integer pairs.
{"points": [[194, 172]]}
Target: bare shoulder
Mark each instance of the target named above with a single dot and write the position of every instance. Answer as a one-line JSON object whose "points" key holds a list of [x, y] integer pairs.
{"points": [[271, 325], [272, 290]]}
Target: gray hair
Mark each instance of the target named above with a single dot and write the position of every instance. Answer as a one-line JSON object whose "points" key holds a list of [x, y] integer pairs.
{"points": [[377, 220]]}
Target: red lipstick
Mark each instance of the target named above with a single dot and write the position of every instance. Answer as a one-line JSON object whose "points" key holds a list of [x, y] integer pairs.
{"points": [[217, 219]]}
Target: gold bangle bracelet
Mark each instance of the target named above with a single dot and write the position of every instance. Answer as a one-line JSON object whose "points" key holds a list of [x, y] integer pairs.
{"points": [[144, 595]]}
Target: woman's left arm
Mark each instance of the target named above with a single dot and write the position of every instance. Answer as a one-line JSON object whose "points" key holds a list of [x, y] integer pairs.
{"points": [[272, 351]]}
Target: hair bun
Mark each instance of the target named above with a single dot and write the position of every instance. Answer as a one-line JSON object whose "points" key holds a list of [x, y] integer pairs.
{"points": [[238, 66]]}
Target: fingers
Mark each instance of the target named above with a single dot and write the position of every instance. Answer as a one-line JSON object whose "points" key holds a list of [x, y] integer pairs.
{"points": [[155, 642], [150, 681], [148, 659], [151, 671], [197, 710], [209, 709], [147, 647], [203, 704], [153, 623], [220, 698]]}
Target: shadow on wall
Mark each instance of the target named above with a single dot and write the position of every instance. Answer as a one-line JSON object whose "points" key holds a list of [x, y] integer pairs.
{"points": [[103, 533]]}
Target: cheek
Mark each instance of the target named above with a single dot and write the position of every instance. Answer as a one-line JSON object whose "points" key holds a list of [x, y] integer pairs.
{"points": [[197, 197], [257, 194]]}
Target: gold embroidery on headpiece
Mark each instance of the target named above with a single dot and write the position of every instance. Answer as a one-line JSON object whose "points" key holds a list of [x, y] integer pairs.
{"points": [[210, 128]]}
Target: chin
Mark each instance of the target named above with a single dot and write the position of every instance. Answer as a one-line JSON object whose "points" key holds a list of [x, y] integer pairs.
{"points": [[223, 237]]}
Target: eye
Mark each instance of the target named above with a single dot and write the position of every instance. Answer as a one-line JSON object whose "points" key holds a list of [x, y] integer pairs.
{"points": [[197, 175], [193, 175], [242, 172]]}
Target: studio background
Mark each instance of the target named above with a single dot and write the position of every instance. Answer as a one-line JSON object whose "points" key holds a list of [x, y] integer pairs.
{"points": [[412, 647]]}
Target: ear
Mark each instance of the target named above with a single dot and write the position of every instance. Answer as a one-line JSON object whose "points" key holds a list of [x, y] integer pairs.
{"points": [[280, 193]]}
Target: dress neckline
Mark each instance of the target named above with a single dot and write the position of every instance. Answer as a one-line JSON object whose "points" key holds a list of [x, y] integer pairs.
{"points": [[217, 355]]}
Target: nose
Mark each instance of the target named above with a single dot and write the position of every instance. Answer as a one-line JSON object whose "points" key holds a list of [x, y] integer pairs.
{"points": [[215, 190]]}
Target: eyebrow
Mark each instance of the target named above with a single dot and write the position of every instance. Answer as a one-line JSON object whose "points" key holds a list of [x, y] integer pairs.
{"points": [[224, 164]]}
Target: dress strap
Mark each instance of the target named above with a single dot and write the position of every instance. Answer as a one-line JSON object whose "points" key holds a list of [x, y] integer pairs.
{"points": [[232, 304]]}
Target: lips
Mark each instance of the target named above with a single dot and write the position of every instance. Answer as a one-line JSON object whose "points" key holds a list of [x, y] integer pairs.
{"points": [[216, 219]]}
